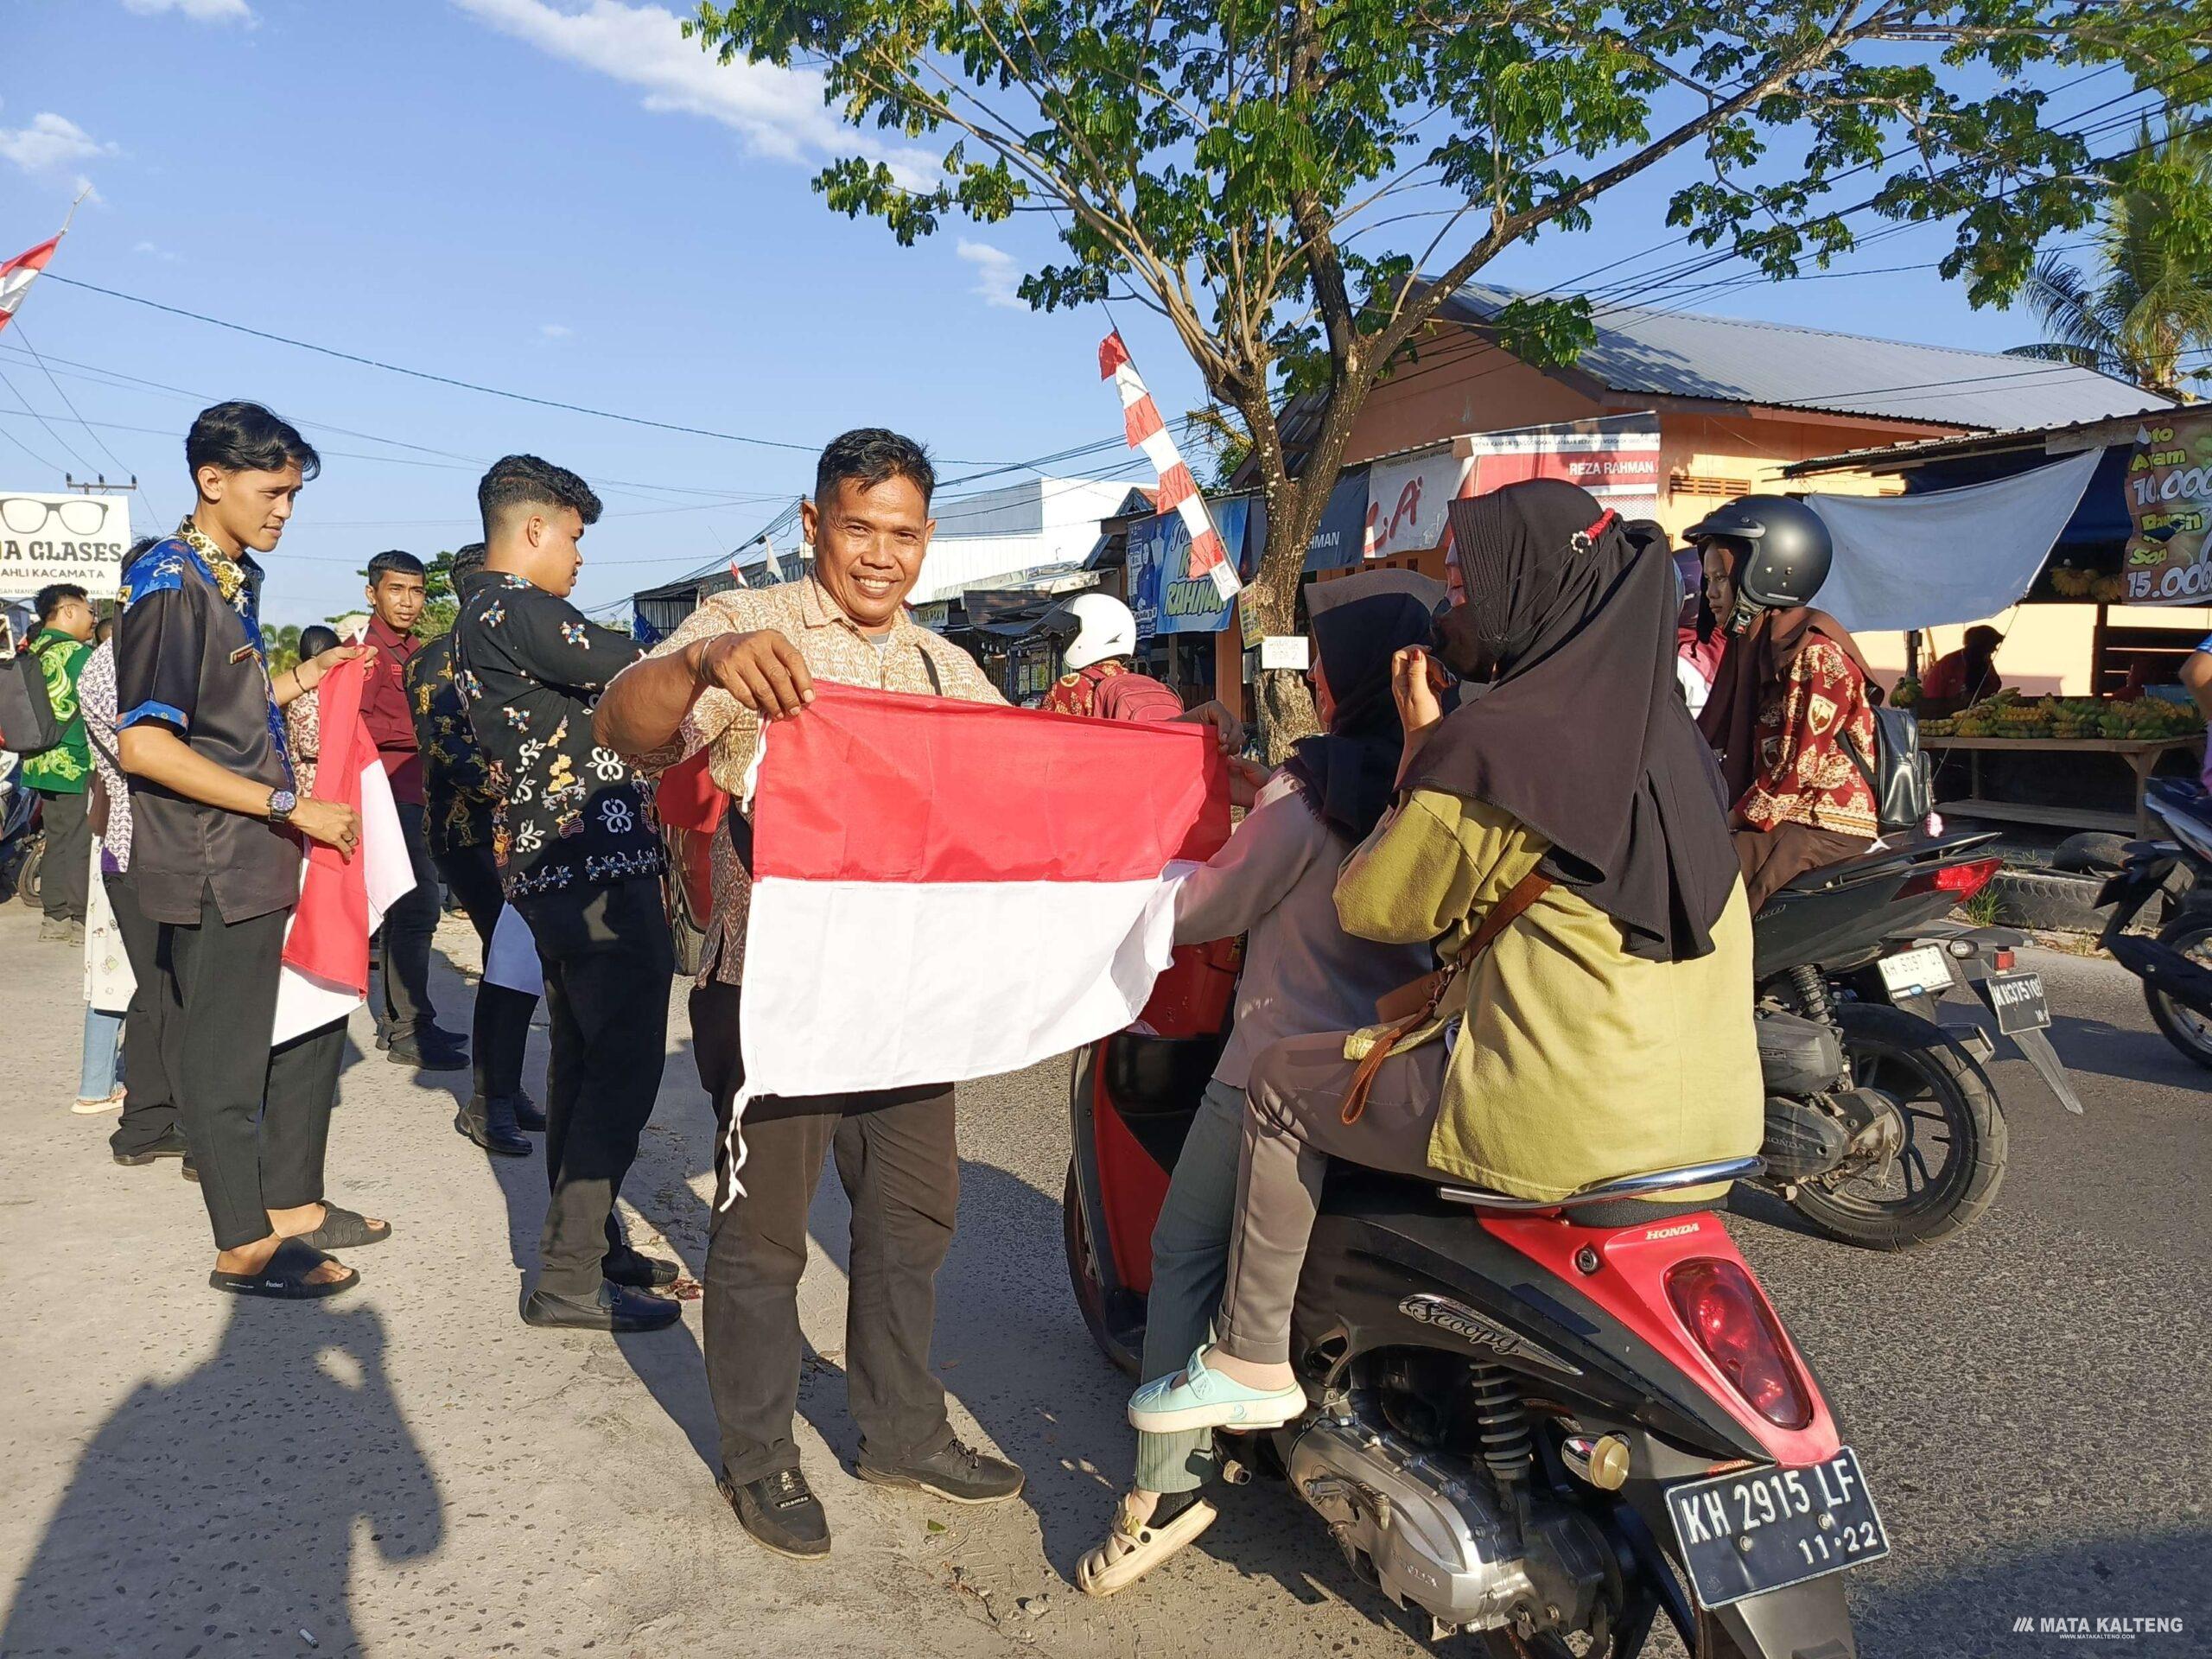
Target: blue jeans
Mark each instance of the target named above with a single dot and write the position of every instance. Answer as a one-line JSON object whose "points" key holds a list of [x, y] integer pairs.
{"points": [[1190, 1266], [102, 1067]]}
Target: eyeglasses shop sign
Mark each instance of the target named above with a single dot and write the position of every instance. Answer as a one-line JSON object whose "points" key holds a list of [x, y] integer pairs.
{"points": [[78, 538]]}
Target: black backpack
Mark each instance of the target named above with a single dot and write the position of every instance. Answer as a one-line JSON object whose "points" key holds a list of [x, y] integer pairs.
{"points": [[26, 721], [1905, 789]]}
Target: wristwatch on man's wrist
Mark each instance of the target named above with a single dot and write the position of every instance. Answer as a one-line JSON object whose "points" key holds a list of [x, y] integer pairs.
{"points": [[281, 804]]}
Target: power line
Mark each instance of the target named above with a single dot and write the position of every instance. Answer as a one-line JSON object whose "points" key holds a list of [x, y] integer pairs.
{"points": [[26, 341], [41, 419]]}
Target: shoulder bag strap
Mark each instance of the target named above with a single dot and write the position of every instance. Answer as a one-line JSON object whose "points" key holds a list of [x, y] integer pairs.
{"points": [[1503, 914]]}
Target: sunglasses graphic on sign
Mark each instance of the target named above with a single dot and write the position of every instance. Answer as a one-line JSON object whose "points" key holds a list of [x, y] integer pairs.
{"points": [[26, 515]]}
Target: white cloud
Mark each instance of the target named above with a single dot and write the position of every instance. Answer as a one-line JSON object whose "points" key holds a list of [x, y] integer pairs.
{"points": [[996, 275], [50, 147], [200, 11], [154, 251], [555, 330], [779, 111]]}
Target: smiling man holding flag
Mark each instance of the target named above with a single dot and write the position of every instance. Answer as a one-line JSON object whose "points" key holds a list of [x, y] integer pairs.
{"points": [[890, 846]]}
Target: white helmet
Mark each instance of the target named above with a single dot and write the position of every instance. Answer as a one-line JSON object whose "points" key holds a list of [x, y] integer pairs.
{"points": [[1104, 628]]}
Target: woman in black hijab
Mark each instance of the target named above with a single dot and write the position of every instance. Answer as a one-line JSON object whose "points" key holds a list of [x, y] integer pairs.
{"points": [[1561, 842], [1303, 973]]}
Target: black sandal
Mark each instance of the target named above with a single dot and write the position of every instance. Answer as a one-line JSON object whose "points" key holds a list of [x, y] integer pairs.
{"points": [[345, 1229], [285, 1278]]}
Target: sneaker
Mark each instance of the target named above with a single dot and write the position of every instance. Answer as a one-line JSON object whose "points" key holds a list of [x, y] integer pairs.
{"points": [[959, 1473], [53, 927], [781, 1512]]}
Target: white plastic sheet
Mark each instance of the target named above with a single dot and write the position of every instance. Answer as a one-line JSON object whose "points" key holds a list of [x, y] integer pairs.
{"points": [[1950, 556]]}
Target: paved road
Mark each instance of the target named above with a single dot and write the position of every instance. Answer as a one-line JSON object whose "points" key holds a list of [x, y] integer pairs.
{"points": [[409, 1471]]}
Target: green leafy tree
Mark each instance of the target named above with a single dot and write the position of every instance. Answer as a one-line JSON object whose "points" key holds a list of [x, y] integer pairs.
{"points": [[1297, 186], [444, 604], [2144, 304], [283, 647]]}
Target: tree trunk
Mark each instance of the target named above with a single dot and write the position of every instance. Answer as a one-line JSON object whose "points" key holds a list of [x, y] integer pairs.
{"points": [[1282, 703]]}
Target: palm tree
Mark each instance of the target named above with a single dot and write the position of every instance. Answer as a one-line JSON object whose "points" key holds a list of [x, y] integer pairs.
{"points": [[2146, 303]]}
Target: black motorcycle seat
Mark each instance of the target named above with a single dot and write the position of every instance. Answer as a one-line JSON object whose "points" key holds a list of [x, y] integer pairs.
{"points": [[1898, 852]]}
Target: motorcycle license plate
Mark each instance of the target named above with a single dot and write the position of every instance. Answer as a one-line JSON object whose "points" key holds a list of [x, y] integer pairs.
{"points": [[2018, 1003], [1911, 972], [1764, 1530]]}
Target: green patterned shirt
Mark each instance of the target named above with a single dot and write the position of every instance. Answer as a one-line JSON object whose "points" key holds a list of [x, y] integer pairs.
{"points": [[67, 768]]}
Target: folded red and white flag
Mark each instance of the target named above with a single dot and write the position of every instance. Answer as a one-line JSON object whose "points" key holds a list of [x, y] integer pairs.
{"points": [[947, 890], [342, 900]]}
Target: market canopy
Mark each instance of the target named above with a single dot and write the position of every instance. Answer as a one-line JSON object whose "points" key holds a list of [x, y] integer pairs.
{"points": [[1949, 556]]}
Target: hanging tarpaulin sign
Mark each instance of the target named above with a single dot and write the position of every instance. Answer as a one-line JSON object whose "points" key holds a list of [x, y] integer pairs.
{"points": [[2168, 507], [1407, 500], [1163, 596], [73, 539]]}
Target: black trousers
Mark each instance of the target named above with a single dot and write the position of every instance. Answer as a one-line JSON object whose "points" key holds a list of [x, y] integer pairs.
{"points": [[258, 1122], [900, 1168], [499, 1035], [607, 963], [65, 871], [408, 927], [152, 1030]]}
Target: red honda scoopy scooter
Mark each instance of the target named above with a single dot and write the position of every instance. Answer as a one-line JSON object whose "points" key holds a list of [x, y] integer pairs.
{"points": [[1542, 1424]]}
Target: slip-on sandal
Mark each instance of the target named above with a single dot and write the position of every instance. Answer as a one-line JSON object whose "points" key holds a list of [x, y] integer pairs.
{"points": [[345, 1229], [1198, 1398], [1134, 1547], [285, 1277]]}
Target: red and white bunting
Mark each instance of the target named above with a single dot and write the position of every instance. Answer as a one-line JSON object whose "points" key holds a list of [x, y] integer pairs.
{"points": [[17, 274], [1178, 491]]}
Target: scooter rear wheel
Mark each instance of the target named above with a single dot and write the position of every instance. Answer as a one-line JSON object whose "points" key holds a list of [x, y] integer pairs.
{"points": [[2187, 1030], [1953, 1159]]}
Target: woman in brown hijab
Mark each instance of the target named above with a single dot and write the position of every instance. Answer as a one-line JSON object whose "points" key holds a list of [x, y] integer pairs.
{"points": [[1791, 713]]}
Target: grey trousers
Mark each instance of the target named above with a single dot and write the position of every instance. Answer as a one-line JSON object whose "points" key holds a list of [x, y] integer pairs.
{"points": [[1190, 1264], [1293, 1127]]}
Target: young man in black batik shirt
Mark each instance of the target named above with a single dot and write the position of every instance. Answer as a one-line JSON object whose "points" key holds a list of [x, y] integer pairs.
{"points": [[581, 860]]}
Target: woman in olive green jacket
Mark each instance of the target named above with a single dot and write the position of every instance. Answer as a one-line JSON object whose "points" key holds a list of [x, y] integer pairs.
{"points": [[1606, 1028]]}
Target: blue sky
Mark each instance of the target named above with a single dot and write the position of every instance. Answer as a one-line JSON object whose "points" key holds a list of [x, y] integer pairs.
{"points": [[562, 198]]}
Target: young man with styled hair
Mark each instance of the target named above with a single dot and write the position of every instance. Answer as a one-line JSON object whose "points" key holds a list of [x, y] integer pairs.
{"points": [[581, 861], [407, 1024], [216, 834]]}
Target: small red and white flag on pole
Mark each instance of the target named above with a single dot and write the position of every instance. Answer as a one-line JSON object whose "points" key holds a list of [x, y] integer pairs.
{"points": [[942, 890], [17, 275], [1178, 491]]}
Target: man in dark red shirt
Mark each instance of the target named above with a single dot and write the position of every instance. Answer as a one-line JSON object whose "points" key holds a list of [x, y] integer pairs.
{"points": [[398, 585]]}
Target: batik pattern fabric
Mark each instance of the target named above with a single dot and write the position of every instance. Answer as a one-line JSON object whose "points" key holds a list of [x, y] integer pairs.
{"points": [[910, 658], [96, 696], [569, 813], [67, 768], [1806, 775], [457, 803], [1077, 693]]}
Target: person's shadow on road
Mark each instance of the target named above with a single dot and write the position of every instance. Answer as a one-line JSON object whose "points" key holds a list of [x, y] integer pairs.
{"points": [[216, 1514]]}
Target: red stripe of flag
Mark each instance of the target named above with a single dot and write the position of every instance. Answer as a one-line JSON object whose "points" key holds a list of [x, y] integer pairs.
{"points": [[1176, 486], [1207, 552], [1141, 420], [882, 787], [1111, 355]]}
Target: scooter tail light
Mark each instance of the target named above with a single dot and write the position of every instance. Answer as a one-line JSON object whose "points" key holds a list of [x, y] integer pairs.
{"points": [[1727, 1318], [1962, 881]]}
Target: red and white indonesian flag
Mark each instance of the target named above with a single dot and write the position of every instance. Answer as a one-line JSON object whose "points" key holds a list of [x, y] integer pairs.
{"points": [[947, 890], [16, 277], [342, 900]]}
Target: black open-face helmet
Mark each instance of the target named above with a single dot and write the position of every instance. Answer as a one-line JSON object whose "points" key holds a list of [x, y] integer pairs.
{"points": [[1784, 550]]}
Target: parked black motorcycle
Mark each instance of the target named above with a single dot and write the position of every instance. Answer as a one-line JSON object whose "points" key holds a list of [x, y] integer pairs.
{"points": [[2175, 964], [1883, 1129]]}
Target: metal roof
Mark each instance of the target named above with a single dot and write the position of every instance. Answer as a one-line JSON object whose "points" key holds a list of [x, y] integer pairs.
{"points": [[1655, 351], [2068, 438]]}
